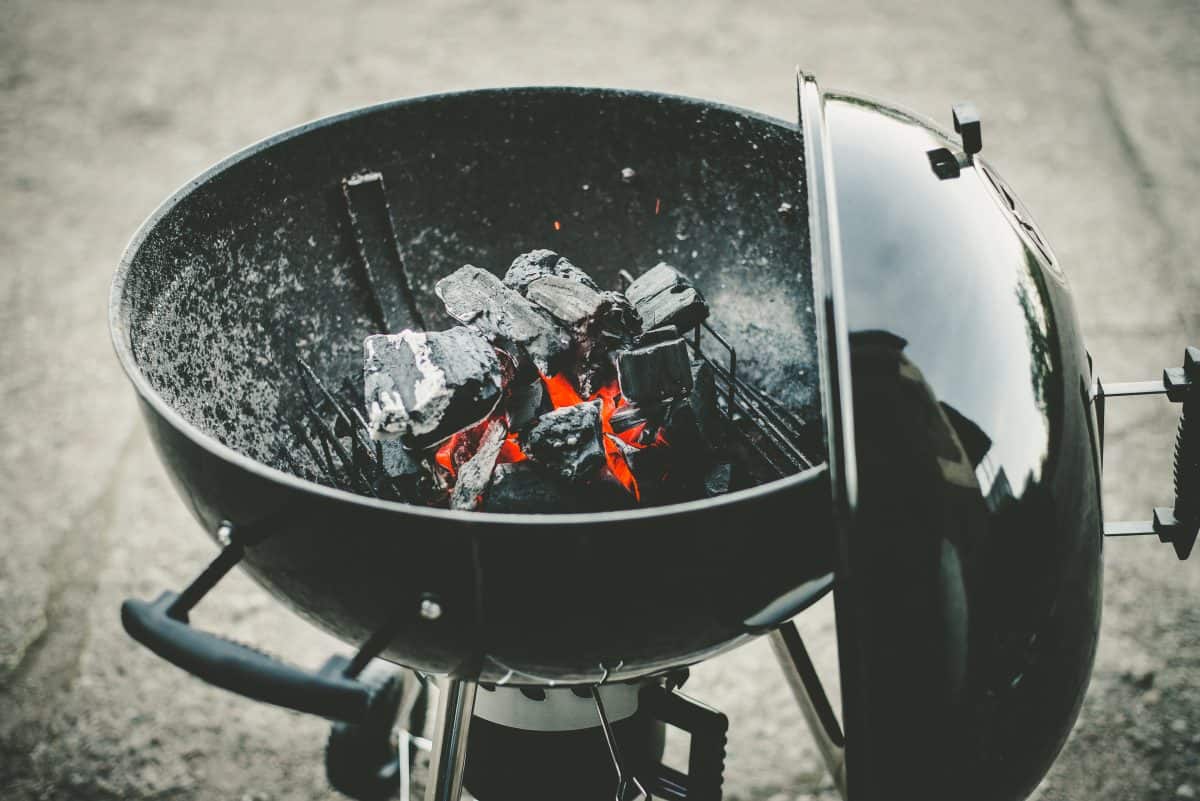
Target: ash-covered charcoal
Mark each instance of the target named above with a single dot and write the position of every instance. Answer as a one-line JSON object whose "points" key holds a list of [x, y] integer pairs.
{"points": [[478, 298], [717, 480], [529, 267], [693, 423], [525, 488], [567, 441], [422, 387], [570, 302], [664, 296], [658, 367], [475, 475], [398, 461]]}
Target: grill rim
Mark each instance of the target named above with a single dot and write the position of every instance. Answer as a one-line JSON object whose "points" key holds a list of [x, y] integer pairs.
{"points": [[120, 331]]}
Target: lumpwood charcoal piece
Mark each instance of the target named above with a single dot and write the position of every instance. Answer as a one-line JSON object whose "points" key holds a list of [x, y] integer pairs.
{"points": [[476, 297], [529, 267], [591, 375], [664, 296], [421, 387], [632, 415], [525, 488], [693, 423], [617, 327], [524, 403], [570, 302], [567, 441], [620, 323], [475, 475], [717, 480], [657, 367], [398, 461]]}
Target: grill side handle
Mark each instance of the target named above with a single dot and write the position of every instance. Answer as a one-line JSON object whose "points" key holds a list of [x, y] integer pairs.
{"points": [[162, 626], [1178, 524]]}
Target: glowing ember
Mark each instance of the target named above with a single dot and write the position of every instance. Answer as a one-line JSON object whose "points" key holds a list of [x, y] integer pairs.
{"points": [[458, 449], [563, 393], [657, 205], [557, 225], [510, 451]]}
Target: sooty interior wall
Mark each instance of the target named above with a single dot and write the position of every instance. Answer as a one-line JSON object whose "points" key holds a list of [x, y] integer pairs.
{"points": [[256, 265]]}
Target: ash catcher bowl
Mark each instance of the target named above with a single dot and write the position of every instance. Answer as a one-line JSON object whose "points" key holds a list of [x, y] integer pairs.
{"points": [[737, 363]]}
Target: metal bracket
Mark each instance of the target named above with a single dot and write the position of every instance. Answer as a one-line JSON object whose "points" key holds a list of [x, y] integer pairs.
{"points": [[1178, 524]]}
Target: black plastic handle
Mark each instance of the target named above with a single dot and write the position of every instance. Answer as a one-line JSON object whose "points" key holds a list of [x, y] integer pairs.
{"points": [[1187, 460], [706, 755], [242, 669]]}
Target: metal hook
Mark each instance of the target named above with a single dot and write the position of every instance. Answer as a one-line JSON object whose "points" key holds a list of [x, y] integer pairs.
{"points": [[628, 787]]}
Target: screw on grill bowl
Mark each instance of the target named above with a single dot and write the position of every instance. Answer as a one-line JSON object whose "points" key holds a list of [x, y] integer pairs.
{"points": [[431, 608]]}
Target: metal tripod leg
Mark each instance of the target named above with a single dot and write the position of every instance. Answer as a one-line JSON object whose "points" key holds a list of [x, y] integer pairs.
{"points": [[814, 704], [456, 703]]}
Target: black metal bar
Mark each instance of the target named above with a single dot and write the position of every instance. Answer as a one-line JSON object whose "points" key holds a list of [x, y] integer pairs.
{"points": [[347, 463], [306, 442], [379, 249], [229, 556], [357, 431], [1129, 528], [1132, 388], [800, 659]]}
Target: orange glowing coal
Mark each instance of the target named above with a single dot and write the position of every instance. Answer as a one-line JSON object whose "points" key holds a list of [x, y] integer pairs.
{"points": [[562, 392]]}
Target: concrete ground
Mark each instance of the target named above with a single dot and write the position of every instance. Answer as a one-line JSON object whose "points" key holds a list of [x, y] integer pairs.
{"points": [[106, 106]]}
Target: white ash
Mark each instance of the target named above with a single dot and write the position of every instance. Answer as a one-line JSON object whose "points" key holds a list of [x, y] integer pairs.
{"points": [[424, 386]]}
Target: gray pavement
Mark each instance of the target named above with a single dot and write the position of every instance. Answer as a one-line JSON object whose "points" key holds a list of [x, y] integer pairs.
{"points": [[107, 106]]}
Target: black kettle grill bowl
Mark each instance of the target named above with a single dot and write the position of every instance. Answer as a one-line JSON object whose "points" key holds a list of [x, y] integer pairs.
{"points": [[253, 265]]}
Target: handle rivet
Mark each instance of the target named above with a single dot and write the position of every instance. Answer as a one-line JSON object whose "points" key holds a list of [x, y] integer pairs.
{"points": [[430, 608]]}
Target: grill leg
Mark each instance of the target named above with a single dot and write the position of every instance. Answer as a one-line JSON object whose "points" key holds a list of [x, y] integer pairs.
{"points": [[814, 704], [456, 703]]}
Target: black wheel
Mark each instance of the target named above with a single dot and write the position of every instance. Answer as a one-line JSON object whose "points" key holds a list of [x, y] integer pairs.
{"points": [[362, 760]]}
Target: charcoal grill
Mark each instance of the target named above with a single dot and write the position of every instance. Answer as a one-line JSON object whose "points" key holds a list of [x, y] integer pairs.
{"points": [[892, 334]]}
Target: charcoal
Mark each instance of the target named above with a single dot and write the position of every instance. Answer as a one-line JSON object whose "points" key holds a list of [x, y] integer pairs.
{"points": [[529, 267], [619, 321], [595, 373], [476, 297], [398, 461], [664, 296], [525, 488], [616, 327], [524, 403], [694, 423], [475, 475], [570, 302], [605, 493], [656, 368], [567, 441], [631, 415], [718, 479], [423, 387], [657, 473]]}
